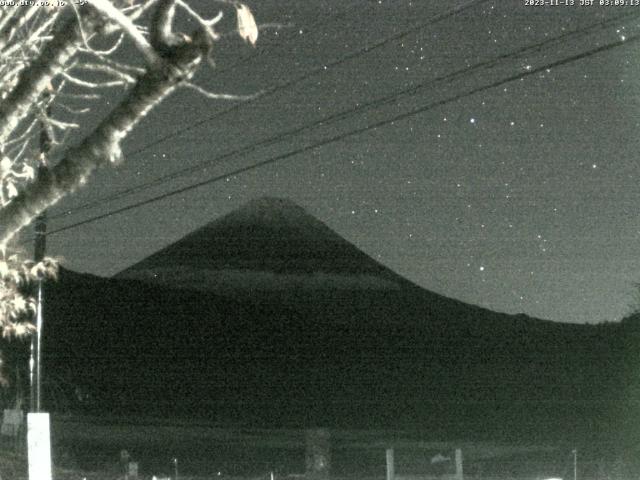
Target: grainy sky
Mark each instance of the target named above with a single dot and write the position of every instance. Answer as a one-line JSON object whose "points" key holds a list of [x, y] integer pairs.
{"points": [[509, 184]]}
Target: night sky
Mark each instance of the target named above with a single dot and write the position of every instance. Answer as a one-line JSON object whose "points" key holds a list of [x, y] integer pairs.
{"points": [[519, 197]]}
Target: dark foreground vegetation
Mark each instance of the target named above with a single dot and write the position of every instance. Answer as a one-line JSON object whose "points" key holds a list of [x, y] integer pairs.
{"points": [[406, 359]]}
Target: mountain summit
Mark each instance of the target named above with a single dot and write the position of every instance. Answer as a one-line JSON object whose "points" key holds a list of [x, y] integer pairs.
{"points": [[269, 243]]}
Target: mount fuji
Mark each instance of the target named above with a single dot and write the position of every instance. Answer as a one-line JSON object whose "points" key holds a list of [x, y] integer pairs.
{"points": [[267, 317], [269, 244]]}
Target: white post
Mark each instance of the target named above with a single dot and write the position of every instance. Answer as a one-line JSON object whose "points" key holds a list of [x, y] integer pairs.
{"points": [[391, 471], [459, 472], [318, 453], [39, 446]]}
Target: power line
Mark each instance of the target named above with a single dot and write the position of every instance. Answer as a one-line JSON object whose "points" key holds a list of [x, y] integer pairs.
{"points": [[342, 136], [411, 90], [254, 55], [305, 76], [320, 69]]}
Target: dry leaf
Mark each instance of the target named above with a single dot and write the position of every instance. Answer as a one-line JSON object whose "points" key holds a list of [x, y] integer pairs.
{"points": [[247, 27]]}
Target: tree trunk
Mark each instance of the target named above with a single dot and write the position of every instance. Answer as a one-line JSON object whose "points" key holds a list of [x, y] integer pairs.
{"points": [[37, 76], [103, 144]]}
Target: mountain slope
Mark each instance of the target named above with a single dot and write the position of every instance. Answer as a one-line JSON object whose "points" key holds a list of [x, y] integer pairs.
{"points": [[271, 251], [269, 244], [143, 349], [172, 336]]}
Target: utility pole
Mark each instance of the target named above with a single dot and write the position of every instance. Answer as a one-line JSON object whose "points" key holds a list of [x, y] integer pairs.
{"points": [[35, 363], [38, 422]]}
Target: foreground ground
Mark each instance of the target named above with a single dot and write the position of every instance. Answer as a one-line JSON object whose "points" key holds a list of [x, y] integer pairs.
{"points": [[90, 448]]}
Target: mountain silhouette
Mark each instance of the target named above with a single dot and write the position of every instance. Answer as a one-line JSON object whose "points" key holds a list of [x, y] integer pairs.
{"points": [[271, 251], [268, 244], [333, 338]]}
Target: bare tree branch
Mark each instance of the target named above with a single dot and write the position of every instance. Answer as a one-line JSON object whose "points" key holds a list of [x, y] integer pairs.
{"points": [[18, 155], [206, 24], [75, 111], [8, 16], [112, 71], [60, 124], [87, 84], [142, 9], [103, 145], [81, 96], [112, 13], [24, 134], [37, 71], [35, 78], [161, 34], [218, 96], [104, 53], [16, 22], [36, 35]]}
